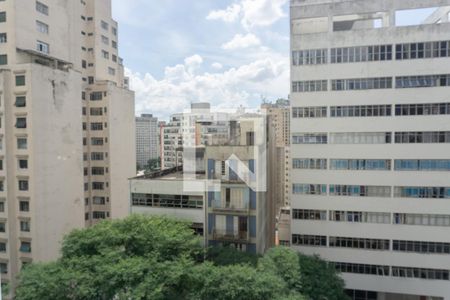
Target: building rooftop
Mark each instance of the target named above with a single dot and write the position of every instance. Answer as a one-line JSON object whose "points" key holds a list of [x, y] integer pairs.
{"points": [[175, 173]]}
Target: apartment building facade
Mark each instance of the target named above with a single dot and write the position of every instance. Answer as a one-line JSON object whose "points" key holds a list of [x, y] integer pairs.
{"points": [[147, 139], [371, 144], [108, 116], [43, 81]]}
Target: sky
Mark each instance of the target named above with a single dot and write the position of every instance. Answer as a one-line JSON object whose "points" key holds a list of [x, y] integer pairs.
{"points": [[226, 52], [230, 53]]}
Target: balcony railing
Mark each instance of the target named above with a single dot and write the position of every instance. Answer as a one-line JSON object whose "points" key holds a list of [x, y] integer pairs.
{"points": [[230, 208], [230, 236]]}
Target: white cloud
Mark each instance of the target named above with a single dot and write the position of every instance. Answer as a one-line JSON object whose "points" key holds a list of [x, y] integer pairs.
{"points": [[252, 13], [262, 12], [230, 14], [240, 41], [266, 76], [217, 66]]}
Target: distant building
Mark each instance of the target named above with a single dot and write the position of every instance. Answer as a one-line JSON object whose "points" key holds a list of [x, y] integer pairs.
{"points": [[229, 210], [147, 134], [162, 193], [199, 126]]}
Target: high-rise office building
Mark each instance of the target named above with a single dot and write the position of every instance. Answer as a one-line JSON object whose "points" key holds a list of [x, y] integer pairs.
{"points": [[147, 139], [371, 143], [61, 85]]}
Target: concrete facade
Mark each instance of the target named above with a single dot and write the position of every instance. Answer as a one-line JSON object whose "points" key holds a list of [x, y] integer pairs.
{"points": [[147, 136], [48, 69], [370, 189]]}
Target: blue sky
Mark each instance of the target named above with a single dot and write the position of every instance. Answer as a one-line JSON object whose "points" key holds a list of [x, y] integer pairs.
{"points": [[227, 52]]}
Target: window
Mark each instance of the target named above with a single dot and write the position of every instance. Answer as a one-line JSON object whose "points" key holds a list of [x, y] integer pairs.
{"points": [[309, 138], [24, 206], [96, 126], [104, 25], [97, 156], [25, 247], [25, 226], [21, 123], [98, 185], [42, 8], [421, 219], [361, 138], [2, 247], [361, 84], [3, 37], [95, 96], [2, 186], [97, 141], [3, 268], [3, 59], [422, 137], [98, 171], [98, 201], [114, 31], [421, 247], [105, 54], [2, 16], [22, 143], [359, 243], [21, 101], [361, 54], [308, 214], [422, 165], [309, 112], [105, 40], [114, 44], [309, 86], [23, 185], [309, 57], [423, 81], [23, 164], [2, 206], [309, 163], [42, 47], [309, 189], [361, 111], [169, 201], [360, 164], [99, 215], [360, 190], [309, 240], [111, 71], [432, 274], [425, 109], [378, 270], [42, 27], [360, 217], [421, 192], [20, 80], [2, 227], [422, 50]]}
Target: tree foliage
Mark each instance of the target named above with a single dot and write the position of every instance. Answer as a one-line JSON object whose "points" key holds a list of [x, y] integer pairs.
{"points": [[160, 258]]}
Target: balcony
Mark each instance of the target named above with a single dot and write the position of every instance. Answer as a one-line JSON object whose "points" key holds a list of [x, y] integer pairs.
{"points": [[231, 236], [230, 208]]}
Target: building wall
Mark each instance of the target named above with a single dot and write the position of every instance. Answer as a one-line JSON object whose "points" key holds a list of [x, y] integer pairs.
{"points": [[147, 139], [307, 33]]}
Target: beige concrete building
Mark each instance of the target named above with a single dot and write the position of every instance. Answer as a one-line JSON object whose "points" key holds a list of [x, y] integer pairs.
{"points": [[51, 65], [371, 143]]}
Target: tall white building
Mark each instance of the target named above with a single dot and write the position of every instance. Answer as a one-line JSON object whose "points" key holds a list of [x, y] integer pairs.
{"points": [[370, 148], [56, 91], [147, 139]]}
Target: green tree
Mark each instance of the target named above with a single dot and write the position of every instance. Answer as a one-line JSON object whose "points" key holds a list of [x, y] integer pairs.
{"points": [[160, 258], [320, 280]]}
